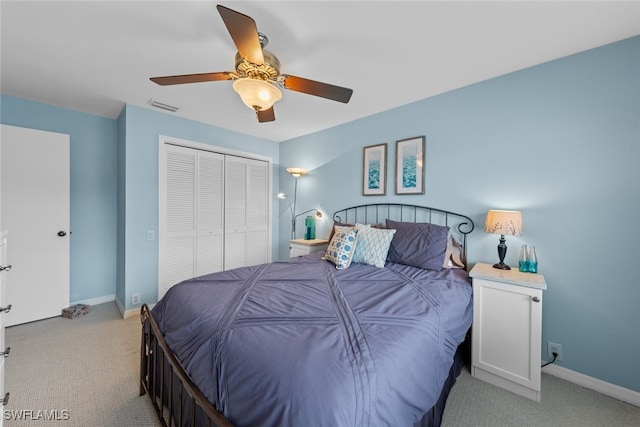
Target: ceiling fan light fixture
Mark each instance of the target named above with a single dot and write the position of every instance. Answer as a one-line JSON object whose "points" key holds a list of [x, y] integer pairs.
{"points": [[257, 94]]}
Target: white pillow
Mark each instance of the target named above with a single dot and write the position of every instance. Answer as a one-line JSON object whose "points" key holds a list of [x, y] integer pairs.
{"points": [[373, 245], [453, 256]]}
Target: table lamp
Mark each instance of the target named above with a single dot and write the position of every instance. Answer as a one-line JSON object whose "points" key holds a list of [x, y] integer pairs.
{"points": [[503, 222]]}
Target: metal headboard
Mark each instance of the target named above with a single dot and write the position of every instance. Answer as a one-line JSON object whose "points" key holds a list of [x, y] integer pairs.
{"points": [[379, 212]]}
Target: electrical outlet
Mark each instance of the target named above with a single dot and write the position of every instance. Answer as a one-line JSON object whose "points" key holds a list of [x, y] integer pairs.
{"points": [[554, 348], [135, 298]]}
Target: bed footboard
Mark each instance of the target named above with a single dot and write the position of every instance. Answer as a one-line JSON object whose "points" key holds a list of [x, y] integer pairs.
{"points": [[176, 399]]}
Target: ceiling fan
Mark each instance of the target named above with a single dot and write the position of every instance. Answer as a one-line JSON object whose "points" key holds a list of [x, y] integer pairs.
{"points": [[257, 75]]}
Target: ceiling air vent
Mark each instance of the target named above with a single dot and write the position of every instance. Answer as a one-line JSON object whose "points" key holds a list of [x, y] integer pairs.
{"points": [[167, 107]]}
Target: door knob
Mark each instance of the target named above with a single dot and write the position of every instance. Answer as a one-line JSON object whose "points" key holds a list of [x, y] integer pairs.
{"points": [[62, 233], [5, 268]]}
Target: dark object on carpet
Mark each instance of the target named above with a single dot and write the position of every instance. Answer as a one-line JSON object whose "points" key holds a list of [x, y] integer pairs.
{"points": [[74, 311]]}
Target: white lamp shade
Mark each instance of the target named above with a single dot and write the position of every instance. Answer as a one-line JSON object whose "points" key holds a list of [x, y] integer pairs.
{"points": [[504, 222], [257, 94], [296, 172]]}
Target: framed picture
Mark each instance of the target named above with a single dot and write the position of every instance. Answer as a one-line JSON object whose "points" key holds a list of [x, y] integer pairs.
{"points": [[374, 167], [410, 166]]}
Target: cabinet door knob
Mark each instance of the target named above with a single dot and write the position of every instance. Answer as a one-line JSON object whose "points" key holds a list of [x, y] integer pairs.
{"points": [[535, 299], [5, 400], [5, 353], [5, 268], [5, 309]]}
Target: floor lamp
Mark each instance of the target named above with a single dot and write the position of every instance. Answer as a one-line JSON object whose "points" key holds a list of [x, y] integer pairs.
{"points": [[296, 173]]}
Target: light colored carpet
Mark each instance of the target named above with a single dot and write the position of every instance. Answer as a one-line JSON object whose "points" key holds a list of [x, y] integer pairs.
{"points": [[89, 367], [475, 403]]}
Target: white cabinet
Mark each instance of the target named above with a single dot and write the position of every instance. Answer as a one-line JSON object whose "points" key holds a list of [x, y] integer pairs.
{"points": [[507, 329], [4, 268], [299, 247]]}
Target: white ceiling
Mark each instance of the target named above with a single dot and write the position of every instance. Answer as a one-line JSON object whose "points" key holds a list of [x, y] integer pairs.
{"points": [[96, 56]]}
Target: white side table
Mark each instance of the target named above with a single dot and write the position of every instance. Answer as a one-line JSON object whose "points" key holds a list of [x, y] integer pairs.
{"points": [[507, 328], [299, 247]]}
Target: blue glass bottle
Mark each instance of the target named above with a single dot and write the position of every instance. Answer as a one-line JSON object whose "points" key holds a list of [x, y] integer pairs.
{"points": [[310, 228], [532, 260], [523, 261]]}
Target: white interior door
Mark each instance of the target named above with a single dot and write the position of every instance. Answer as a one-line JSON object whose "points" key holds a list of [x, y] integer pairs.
{"points": [[35, 210]]}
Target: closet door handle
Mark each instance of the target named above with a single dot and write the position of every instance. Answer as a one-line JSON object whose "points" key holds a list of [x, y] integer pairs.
{"points": [[5, 353], [5, 268], [5, 309]]}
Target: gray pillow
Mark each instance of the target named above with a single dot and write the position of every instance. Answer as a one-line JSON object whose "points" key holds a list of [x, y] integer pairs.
{"points": [[421, 245]]}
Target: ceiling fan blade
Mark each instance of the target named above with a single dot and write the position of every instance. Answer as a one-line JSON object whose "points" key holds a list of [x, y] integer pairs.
{"points": [[266, 115], [312, 87], [244, 33], [191, 78]]}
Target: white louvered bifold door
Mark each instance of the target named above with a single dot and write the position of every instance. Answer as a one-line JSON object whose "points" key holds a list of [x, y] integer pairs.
{"points": [[257, 212], [178, 233], [246, 212], [210, 244], [235, 246], [214, 213], [192, 239]]}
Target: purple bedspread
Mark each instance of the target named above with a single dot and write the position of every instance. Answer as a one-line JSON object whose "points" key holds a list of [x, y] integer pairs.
{"points": [[300, 343]]}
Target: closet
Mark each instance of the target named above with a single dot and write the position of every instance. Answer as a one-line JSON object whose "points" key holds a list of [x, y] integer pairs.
{"points": [[213, 212]]}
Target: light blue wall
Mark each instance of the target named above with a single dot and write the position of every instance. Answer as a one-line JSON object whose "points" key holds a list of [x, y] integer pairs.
{"points": [[560, 142], [93, 189], [140, 176], [114, 190]]}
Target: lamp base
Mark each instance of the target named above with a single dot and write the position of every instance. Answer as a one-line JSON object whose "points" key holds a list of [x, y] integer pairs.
{"points": [[501, 266]]}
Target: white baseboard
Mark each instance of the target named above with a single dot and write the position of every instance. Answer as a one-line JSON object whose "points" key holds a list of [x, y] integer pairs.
{"points": [[96, 301], [132, 312], [608, 389], [108, 298], [120, 307]]}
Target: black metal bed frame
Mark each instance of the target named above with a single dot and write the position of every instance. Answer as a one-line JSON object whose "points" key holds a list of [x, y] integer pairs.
{"points": [[378, 212], [171, 390], [176, 399]]}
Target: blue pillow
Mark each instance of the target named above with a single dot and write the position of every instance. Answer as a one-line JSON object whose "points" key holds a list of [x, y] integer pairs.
{"points": [[421, 245], [341, 248]]}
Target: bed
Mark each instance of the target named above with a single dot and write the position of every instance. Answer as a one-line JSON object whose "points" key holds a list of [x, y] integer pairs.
{"points": [[342, 337]]}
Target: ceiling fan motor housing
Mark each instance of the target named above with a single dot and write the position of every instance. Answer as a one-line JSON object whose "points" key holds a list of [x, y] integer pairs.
{"points": [[270, 70]]}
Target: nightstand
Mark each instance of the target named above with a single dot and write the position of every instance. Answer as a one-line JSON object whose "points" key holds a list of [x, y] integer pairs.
{"points": [[507, 328], [299, 247]]}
